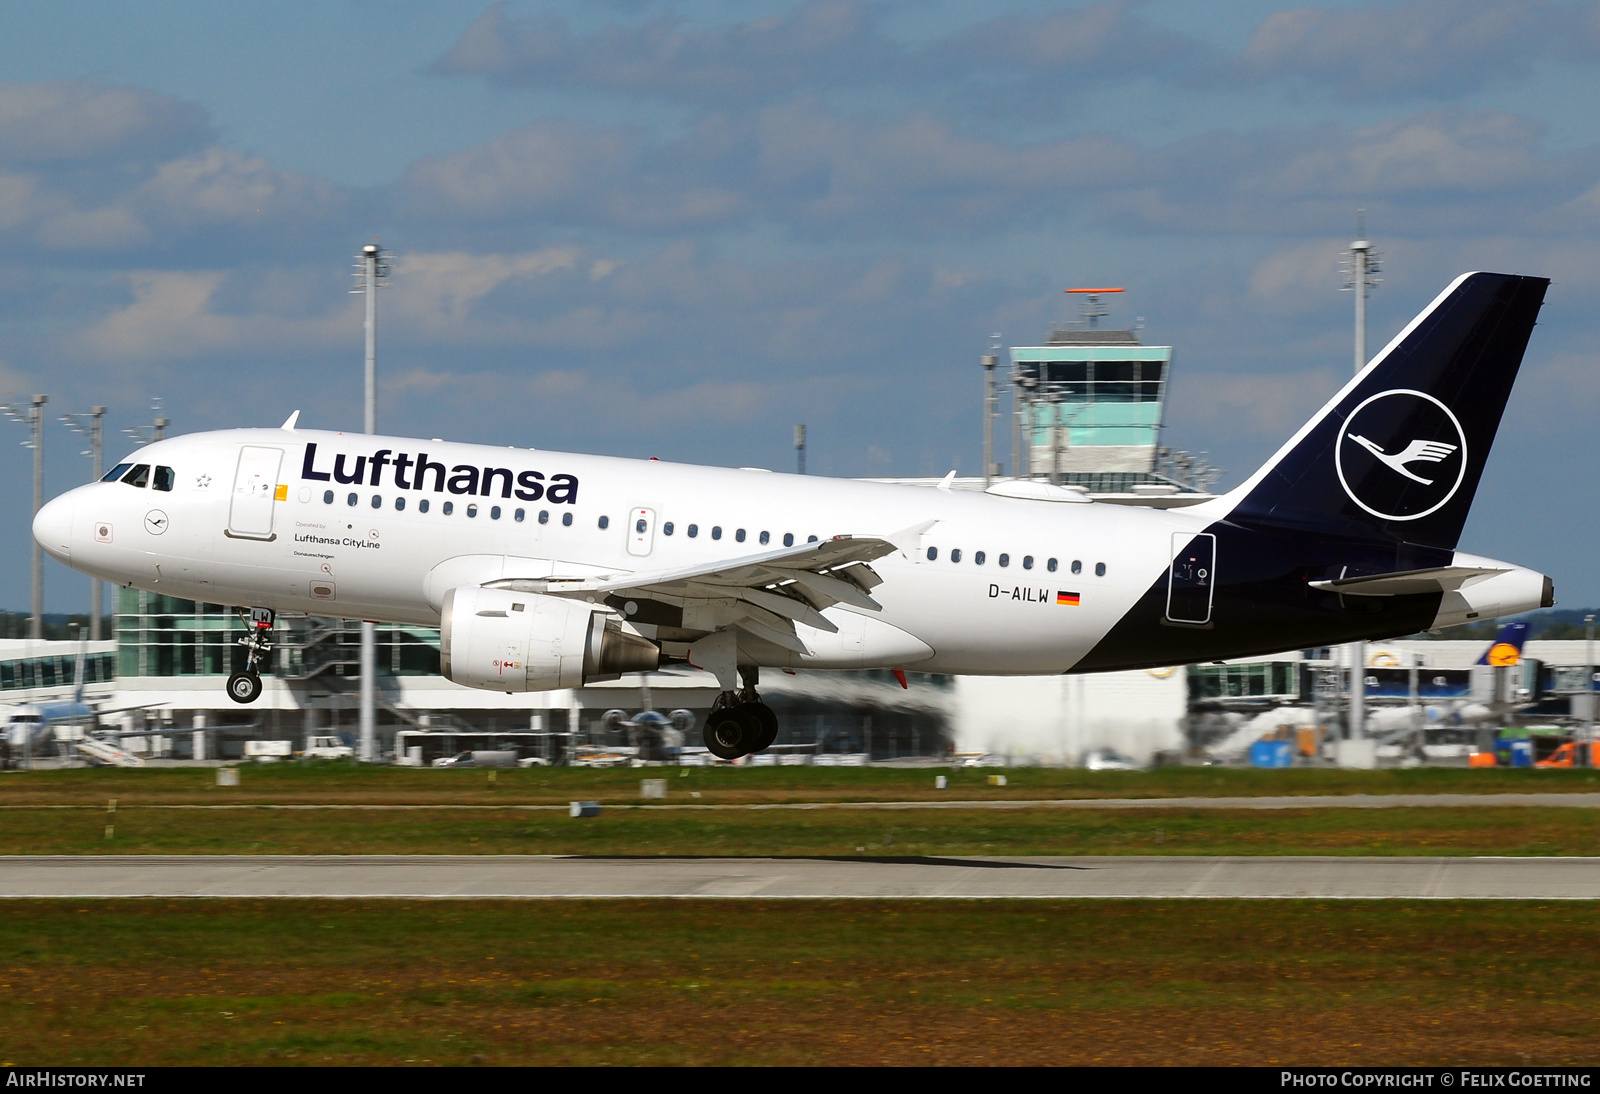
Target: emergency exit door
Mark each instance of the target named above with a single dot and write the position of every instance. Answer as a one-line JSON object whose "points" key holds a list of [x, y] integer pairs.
{"points": [[1191, 578], [641, 531]]}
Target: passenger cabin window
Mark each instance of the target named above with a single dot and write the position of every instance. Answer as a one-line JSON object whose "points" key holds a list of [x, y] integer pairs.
{"points": [[494, 513], [472, 510], [377, 501], [1077, 566], [327, 497], [978, 558], [449, 507], [955, 555], [933, 553], [399, 503], [1027, 562], [666, 529], [165, 477], [520, 515], [544, 516], [139, 476], [693, 530], [116, 472], [766, 538], [605, 522], [1051, 565], [352, 499], [1005, 560], [566, 520], [1099, 569], [739, 535], [422, 506], [716, 531]]}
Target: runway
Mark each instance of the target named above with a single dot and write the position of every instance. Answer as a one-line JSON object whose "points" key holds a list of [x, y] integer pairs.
{"points": [[563, 877]]}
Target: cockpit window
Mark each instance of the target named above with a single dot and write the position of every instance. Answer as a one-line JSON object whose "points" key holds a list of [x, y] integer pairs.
{"points": [[139, 476], [116, 472], [164, 478]]}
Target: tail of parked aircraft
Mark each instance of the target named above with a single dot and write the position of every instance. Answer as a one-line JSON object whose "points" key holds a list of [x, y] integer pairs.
{"points": [[1397, 454], [1506, 649]]}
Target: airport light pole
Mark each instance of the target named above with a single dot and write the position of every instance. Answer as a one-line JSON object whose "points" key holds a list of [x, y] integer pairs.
{"points": [[371, 269], [800, 449], [155, 431], [31, 415], [1361, 266], [1588, 684], [91, 425], [989, 361]]}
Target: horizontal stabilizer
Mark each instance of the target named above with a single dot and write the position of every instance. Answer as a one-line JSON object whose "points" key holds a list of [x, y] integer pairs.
{"points": [[1440, 579]]}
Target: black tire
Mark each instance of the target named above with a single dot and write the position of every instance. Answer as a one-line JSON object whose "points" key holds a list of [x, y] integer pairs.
{"points": [[766, 726], [728, 733], [244, 687]]}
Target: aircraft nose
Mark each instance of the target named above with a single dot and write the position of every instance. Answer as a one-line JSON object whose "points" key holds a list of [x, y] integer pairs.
{"points": [[52, 527]]}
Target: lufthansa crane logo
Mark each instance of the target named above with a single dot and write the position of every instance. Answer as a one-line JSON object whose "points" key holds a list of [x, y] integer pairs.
{"points": [[1401, 455]]}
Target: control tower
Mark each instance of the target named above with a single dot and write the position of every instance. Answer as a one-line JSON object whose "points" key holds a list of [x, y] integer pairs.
{"points": [[1088, 408]]}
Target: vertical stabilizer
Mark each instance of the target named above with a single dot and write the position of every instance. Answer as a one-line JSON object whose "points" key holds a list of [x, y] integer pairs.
{"points": [[1398, 453]]}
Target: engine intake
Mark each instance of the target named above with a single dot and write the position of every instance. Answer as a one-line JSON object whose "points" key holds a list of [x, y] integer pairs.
{"points": [[507, 641]]}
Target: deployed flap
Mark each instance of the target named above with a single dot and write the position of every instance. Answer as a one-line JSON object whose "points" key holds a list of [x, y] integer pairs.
{"points": [[1407, 583]]}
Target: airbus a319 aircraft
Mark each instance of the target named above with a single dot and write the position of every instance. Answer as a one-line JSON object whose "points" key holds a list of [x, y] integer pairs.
{"points": [[549, 570]]}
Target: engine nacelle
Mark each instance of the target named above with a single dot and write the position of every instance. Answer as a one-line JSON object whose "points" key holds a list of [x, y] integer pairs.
{"points": [[505, 641]]}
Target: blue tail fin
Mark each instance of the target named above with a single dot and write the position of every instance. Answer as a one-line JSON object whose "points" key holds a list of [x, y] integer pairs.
{"points": [[1398, 453], [1506, 649]]}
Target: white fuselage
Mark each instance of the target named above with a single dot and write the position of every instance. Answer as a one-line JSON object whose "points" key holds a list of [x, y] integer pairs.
{"points": [[991, 585], [371, 560]]}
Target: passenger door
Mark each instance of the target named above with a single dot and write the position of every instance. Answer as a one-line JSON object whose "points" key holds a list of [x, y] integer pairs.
{"points": [[255, 492]]}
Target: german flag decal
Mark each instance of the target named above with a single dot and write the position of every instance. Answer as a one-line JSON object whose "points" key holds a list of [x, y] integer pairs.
{"points": [[1069, 599]]}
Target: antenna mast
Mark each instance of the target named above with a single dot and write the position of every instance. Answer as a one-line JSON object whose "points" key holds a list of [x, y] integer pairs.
{"points": [[91, 425], [1361, 269], [371, 268], [32, 416]]}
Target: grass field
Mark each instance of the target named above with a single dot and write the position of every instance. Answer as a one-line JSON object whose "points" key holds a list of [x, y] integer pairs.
{"points": [[464, 812], [1019, 831], [135, 983], [352, 784]]}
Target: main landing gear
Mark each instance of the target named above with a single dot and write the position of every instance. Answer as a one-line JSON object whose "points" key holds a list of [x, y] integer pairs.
{"points": [[740, 723], [245, 687]]}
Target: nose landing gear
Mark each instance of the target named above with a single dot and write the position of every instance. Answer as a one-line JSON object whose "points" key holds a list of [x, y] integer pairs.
{"points": [[740, 723], [245, 687]]}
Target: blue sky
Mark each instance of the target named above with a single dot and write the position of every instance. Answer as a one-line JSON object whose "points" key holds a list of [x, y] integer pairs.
{"points": [[676, 229]]}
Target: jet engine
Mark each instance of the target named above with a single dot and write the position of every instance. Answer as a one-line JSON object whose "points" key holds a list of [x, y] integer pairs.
{"points": [[507, 641]]}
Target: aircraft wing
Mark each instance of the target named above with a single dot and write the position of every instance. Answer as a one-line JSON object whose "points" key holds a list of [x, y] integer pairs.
{"points": [[762, 594], [1407, 582]]}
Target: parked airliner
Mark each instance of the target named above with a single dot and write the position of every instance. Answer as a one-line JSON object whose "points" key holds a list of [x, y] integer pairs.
{"points": [[549, 570]]}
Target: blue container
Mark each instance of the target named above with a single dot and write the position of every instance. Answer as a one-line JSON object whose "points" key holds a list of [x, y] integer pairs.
{"points": [[1521, 753], [1271, 754]]}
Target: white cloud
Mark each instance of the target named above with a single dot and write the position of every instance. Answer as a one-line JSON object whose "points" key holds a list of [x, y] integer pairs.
{"points": [[75, 120]]}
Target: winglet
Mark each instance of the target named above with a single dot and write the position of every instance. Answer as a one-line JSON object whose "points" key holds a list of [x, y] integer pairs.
{"points": [[944, 483], [290, 421]]}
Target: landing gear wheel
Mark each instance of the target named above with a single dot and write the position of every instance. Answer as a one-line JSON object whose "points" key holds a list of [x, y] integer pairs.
{"points": [[767, 726], [729, 731], [244, 687]]}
